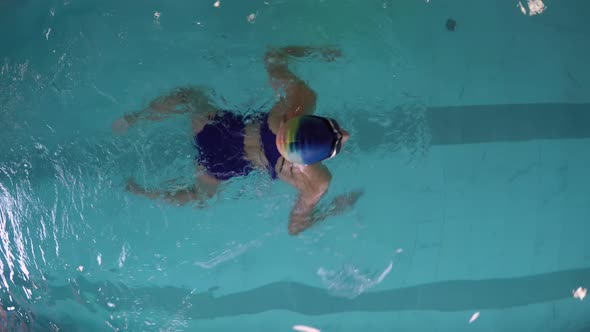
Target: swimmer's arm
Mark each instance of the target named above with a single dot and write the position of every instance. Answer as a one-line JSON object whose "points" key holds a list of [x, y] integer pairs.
{"points": [[299, 98], [302, 216], [338, 205], [312, 183]]}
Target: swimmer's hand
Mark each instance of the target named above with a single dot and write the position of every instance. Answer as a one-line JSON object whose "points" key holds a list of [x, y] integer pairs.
{"points": [[278, 56], [339, 205], [305, 217], [343, 203], [330, 54]]}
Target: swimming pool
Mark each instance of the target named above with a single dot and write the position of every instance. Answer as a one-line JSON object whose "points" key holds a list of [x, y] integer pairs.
{"points": [[471, 147]]}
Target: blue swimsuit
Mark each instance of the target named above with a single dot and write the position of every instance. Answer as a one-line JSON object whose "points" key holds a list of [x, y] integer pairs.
{"points": [[221, 146]]}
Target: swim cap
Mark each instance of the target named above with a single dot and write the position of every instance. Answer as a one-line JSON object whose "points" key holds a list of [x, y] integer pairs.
{"points": [[309, 139]]}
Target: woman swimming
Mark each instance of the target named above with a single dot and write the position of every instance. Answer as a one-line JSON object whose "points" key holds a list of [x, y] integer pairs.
{"points": [[288, 142]]}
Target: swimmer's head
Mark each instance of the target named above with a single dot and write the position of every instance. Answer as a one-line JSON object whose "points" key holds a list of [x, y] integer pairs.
{"points": [[309, 139]]}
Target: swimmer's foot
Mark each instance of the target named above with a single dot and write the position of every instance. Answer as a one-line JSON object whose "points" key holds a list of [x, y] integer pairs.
{"points": [[120, 126], [133, 187], [330, 54]]}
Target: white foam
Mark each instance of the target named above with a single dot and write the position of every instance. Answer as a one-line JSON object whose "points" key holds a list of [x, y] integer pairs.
{"points": [[123, 255], [580, 293], [350, 281], [227, 254], [304, 328]]}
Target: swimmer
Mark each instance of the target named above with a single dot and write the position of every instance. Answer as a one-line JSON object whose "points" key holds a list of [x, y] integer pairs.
{"points": [[289, 142]]}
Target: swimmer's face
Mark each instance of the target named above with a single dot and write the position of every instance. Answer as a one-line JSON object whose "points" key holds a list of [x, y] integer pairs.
{"points": [[340, 135], [345, 135]]}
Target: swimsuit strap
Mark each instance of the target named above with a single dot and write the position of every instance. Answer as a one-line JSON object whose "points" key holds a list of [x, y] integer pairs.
{"points": [[268, 139]]}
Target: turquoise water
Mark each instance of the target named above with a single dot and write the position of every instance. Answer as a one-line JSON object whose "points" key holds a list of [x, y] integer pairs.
{"points": [[471, 147]]}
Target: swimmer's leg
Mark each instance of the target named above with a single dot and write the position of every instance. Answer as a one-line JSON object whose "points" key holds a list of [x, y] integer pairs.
{"points": [[182, 101], [205, 188], [186, 100]]}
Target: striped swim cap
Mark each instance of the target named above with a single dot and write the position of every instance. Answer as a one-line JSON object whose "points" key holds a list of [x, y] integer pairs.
{"points": [[309, 139]]}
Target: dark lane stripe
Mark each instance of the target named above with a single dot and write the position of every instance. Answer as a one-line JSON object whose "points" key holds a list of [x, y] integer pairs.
{"points": [[494, 123], [452, 295], [476, 124]]}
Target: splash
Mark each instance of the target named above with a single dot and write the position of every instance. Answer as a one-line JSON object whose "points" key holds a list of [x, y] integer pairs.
{"points": [[157, 16], [232, 252], [304, 328], [350, 281], [535, 7], [123, 255], [405, 127]]}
